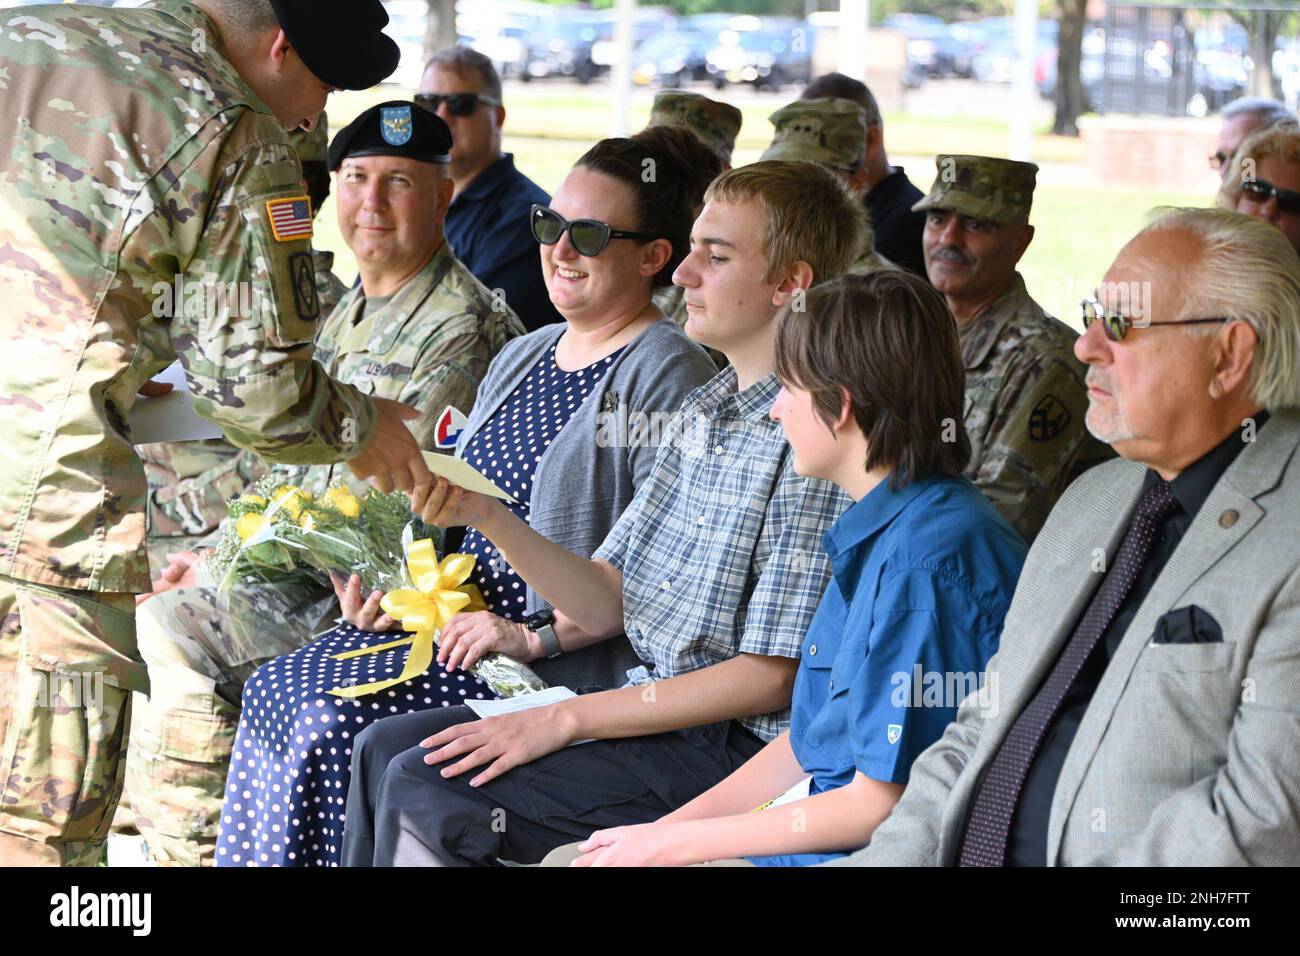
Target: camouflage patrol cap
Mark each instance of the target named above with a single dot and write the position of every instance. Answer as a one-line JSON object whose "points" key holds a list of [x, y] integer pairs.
{"points": [[312, 147], [714, 122], [982, 187], [829, 131]]}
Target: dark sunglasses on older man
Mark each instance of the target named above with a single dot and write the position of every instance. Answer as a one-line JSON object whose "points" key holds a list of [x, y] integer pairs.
{"points": [[1261, 191], [458, 104], [1116, 326], [589, 236]]}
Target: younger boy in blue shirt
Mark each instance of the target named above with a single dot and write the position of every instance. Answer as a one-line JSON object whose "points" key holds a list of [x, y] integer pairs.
{"points": [[924, 570]]}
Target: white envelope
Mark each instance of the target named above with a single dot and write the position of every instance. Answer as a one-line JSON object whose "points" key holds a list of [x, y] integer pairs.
{"points": [[462, 473], [169, 417]]}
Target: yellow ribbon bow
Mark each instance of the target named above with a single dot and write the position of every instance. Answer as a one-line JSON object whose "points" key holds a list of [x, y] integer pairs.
{"points": [[440, 593]]}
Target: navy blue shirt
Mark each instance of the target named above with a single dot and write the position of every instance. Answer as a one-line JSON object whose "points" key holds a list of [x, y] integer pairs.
{"points": [[898, 229], [921, 579], [488, 228]]}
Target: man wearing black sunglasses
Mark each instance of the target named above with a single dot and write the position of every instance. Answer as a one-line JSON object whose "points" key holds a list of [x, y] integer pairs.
{"points": [[487, 224]]}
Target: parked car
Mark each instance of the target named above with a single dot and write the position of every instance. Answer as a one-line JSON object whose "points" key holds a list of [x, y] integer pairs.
{"points": [[768, 58], [564, 47], [672, 59]]}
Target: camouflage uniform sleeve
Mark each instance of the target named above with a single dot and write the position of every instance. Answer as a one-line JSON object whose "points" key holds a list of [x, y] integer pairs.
{"points": [[197, 505], [447, 372], [253, 373], [1033, 442]]}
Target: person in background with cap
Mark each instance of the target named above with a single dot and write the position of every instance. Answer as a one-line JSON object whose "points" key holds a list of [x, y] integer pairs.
{"points": [[1025, 397], [715, 124], [148, 146], [487, 224], [890, 195], [420, 330], [191, 481], [829, 132]]}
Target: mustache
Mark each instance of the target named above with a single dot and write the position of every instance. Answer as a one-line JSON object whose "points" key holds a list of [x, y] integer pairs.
{"points": [[951, 254], [1098, 379]]}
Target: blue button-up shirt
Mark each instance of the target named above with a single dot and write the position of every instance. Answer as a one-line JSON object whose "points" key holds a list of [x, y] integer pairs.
{"points": [[921, 579], [488, 228]]}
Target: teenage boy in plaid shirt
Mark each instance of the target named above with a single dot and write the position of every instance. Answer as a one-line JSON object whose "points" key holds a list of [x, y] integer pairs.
{"points": [[713, 573]]}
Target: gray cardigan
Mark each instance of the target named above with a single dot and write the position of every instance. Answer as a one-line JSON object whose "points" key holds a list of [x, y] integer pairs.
{"points": [[582, 485]]}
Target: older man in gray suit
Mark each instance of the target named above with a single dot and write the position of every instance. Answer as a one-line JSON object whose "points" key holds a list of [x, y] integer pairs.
{"points": [[1144, 706]]}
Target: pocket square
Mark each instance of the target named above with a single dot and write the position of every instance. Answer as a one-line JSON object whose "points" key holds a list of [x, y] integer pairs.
{"points": [[1187, 625]]}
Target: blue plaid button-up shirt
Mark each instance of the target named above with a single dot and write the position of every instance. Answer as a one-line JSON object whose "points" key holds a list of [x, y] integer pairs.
{"points": [[720, 550]]}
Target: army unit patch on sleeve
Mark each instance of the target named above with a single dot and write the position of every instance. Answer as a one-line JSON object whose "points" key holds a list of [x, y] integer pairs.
{"points": [[1048, 419], [302, 273], [290, 218]]}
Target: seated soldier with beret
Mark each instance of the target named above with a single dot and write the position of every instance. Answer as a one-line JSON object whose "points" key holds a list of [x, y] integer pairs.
{"points": [[418, 329]]}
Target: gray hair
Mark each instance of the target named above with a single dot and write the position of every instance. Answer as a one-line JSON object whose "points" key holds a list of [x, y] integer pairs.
{"points": [[1270, 112], [465, 60], [1249, 271]]}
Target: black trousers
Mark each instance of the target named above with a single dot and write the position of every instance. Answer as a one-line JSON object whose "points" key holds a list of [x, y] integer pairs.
{"points": [[401, 812]]}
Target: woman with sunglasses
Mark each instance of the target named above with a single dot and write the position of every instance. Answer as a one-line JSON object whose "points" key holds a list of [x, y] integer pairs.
{"points": [[1265, 181], [547, 427]]}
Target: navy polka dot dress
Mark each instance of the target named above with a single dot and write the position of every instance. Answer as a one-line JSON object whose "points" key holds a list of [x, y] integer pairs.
{"points": [[286, 792], [506, 450]]}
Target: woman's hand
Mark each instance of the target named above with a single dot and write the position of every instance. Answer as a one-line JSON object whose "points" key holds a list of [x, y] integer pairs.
{"points": [[647, 844], [446, 505], [364, 614], [468, 637]]}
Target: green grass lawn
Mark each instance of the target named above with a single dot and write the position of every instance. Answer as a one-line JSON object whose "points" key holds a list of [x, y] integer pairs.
{"points": [[1079, 229]]}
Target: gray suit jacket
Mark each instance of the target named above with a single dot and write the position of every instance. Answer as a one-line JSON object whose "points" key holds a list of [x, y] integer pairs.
{"points": [[1189, 754]]}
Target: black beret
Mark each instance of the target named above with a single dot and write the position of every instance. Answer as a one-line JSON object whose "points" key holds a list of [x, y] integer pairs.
{"points": [[395, 128], [341, 41]]}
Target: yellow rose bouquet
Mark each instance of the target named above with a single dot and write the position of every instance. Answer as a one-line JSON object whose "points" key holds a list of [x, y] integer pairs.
{"points": [[277, 547]]}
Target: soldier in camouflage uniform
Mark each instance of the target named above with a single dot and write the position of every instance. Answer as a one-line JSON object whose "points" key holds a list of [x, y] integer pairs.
{"points": [[833, 133], [1025, 392], [137, 155], [716, 124], [190, 482], [428, 344]]}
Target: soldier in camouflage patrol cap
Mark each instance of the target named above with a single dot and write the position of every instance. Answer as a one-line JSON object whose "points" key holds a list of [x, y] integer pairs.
{"points": [[714, 122], [1025, 392], [190, 482], [428, 343], [831, 132], [137, 154]]}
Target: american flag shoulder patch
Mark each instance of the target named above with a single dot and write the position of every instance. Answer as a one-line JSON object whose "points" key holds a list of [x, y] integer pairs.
{"points": [[290, 218]]}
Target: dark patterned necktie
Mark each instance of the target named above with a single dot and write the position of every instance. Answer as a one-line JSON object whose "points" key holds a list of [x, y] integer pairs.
{"points": [[994, 806]]}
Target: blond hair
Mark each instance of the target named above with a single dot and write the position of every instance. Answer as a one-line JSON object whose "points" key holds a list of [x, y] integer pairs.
{"points": [[1280, 141], [1246, 270], [809, 215]]}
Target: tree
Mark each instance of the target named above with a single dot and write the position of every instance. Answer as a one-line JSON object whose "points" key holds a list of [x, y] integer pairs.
{"points": [[1069, 85], [439, 27], [1261, 27]]}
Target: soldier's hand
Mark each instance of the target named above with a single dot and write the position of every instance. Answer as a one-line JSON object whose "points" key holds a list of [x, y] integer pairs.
{"points": [[393, 459], [181, 572], [154, 389], [365, 614]]}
